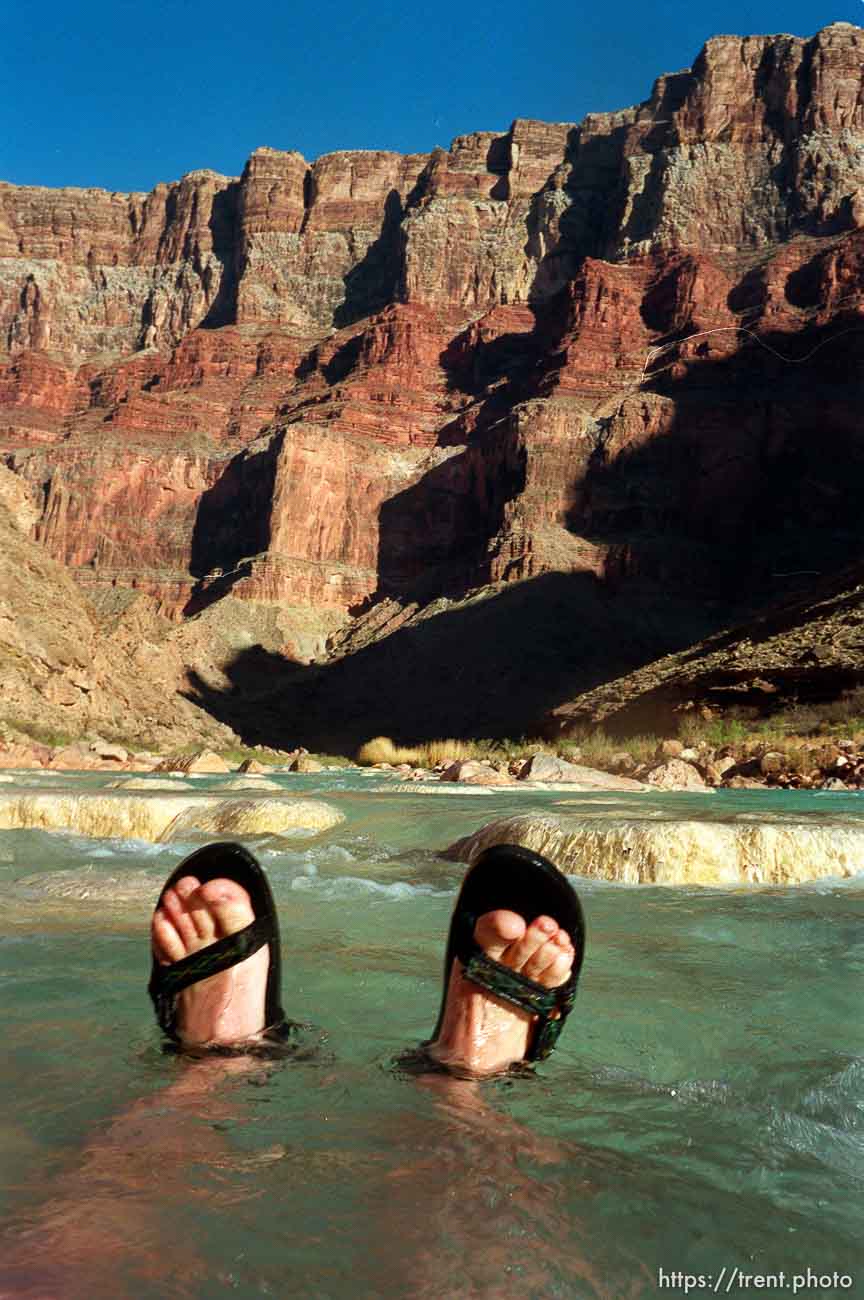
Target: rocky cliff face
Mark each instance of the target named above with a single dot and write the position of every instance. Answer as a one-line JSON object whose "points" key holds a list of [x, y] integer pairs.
{"points": [[626, 350], [811, 647]]}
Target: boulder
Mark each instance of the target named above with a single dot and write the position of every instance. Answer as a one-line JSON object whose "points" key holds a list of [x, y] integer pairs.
{"points": [[547, 767], [23, 755], [669, 749], [471, 771], [676, 775], [772, 763], [303, 763], [116, 753], [748, 766], [253, 767], [71, 758], [415, 774], [203, 761], [717, 770]]}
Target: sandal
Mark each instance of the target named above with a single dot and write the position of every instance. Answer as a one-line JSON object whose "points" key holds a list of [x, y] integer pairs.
{"points": [[230, 862], [509, 876]]}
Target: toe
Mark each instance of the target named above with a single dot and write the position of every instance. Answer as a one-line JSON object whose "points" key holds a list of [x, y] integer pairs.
{"points": [[228, 905], [186, 885], [540, 959], [561, 957], [174, 907], [559, 971], [538, 933], [496, 931], [167, 944], [202, 916]]}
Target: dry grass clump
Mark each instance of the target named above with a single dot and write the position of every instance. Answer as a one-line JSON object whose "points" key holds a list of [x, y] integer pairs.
{"points": [[382, 750], [438, 751], [716, 732], [431, 752], [379, 750]]}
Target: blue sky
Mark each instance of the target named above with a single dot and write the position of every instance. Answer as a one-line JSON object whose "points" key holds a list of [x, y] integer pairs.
{"points": [[120, 94]]}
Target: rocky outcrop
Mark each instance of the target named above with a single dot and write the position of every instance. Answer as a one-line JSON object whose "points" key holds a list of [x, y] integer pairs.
{"points": [[810, 649], [68, 666], [338, 393]]}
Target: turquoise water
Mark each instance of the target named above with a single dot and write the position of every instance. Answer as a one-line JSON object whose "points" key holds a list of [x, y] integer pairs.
{"points": [[705, 1110]]}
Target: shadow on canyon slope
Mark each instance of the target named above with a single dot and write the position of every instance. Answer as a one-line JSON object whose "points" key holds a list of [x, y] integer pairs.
{"points": [[372, 283], [434, 536], [489, 668], [592, 224], [224, 234], [232, 524], [762, 468]]}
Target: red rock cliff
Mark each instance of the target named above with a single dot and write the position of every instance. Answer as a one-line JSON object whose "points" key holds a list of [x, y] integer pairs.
{"points": [[375, 376]]}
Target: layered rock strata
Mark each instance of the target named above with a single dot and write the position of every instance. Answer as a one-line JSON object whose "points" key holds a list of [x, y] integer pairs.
{"points": [[337, 393]]}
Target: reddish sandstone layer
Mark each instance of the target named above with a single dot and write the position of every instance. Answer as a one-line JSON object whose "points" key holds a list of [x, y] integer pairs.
{"points": [[375, 375]]}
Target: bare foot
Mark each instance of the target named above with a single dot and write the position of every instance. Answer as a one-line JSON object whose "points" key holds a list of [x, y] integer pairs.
{"points": [[224, 1008], [480, 1033]]}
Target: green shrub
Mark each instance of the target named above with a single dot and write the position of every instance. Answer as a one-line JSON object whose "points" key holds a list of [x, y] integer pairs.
{"points": [[715, 732], [597, 749]]}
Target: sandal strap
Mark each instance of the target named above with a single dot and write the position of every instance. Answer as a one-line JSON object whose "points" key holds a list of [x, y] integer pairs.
{"points": [[168, 981], [511, 985], [552, 1006], [547, 1034]]}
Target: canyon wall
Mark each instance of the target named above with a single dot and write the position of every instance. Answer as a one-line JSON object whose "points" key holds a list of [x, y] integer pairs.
{"points": [[327, 387]]}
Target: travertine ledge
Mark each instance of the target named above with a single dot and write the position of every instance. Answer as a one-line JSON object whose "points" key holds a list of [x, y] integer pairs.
{"points": [[634, 852], [161, 818]]}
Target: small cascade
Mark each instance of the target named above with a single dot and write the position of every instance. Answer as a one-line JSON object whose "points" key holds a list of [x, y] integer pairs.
{"points": [[637, 852], [162, 817], [270, 816]]}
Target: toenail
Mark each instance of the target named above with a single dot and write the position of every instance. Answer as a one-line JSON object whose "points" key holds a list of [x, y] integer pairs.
{"points": [[547, 925]]}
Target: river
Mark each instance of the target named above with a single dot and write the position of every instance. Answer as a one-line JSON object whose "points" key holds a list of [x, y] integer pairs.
{"points": [[704, 1111]]}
